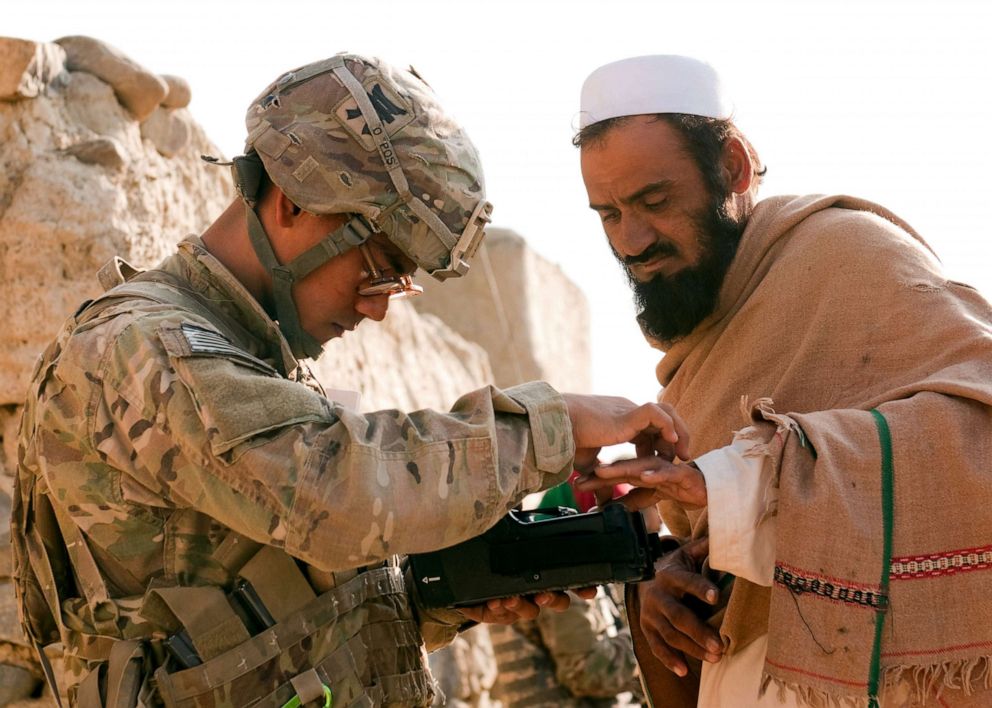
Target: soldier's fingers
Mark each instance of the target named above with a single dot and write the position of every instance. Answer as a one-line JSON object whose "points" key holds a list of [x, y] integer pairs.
{"points": [[557, 601], [521, 606], [668, 424], [492, 612], [654, 417], [650, 445], [604, 495], [475, 613], [586, 593], [585, 458], [644, 445], [681, 430]]}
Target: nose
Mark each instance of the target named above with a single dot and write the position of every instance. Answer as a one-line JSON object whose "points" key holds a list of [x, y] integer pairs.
{"points": [[373, 307], [632, 235]]}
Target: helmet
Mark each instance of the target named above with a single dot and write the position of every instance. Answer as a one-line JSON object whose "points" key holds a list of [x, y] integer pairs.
{"points": [[353, 135]]}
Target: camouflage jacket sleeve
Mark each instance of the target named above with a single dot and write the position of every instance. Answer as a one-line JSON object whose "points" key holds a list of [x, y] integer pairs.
{"points": [[279, 463], [588, 660]]}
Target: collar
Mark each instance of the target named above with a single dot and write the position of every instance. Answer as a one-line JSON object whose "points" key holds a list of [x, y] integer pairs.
{"points": [[211, 279]]}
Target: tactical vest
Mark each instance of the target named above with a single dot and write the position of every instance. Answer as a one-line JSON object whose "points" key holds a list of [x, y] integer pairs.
{"points": [[355, 644]]}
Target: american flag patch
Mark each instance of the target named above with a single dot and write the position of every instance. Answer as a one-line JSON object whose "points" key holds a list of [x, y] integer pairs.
{"points": [[207, 341]]}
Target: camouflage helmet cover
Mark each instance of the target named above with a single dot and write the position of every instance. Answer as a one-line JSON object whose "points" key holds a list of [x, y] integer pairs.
{"points": [[408, 169]]}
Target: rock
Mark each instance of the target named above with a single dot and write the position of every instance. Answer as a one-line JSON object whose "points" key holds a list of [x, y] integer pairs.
{"points": [[100, 151], [16, 684], [408, 361], [531, 319], [64, 209], [179, 91], [10, 418], [138, 90], [26, 67], [93, 107], [167, 129]]}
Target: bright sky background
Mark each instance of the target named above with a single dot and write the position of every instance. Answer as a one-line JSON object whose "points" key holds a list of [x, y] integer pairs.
{"points": [[883, 100]]}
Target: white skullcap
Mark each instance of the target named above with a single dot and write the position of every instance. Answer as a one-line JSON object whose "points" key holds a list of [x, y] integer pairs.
{"points": [[660, 83]]}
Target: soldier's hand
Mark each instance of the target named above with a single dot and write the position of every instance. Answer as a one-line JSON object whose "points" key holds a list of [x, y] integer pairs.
{"points": [[671, 628], [507, 610], [600, 421], [654, 479]]}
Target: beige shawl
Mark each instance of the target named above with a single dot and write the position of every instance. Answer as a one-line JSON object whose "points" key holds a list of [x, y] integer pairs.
{"points": [[833, 307]]}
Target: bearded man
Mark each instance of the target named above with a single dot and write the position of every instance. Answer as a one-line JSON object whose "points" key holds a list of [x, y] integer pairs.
{"points": [[850, 509]]}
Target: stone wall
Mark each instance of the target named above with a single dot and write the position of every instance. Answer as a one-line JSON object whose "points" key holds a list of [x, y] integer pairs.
{"points": [[82, 179], [522, 309]]}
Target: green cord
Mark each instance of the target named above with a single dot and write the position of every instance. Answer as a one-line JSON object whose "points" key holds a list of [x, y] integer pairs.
{"points": [[885, 442], [295, 701]]}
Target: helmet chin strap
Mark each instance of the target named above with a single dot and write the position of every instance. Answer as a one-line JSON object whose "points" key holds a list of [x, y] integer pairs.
{"points": [[352, 233], [247, 172]]}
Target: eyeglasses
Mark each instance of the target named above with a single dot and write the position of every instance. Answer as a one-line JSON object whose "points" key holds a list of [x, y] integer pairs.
{"points": [[395, 285]]}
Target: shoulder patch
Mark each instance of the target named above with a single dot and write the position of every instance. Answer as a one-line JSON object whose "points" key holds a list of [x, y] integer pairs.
{"points": [[202, 341]]}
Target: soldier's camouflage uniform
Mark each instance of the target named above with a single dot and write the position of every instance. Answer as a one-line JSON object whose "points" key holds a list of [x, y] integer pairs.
{"points": [[465, 671], [169, 434], [572, 659]]}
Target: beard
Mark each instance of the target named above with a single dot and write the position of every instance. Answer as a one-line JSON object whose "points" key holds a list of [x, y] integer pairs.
{"points": [[670, 307]]}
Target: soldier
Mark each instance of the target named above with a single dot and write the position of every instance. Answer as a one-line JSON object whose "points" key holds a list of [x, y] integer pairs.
{"points": [[466, 671], [194, 520]]}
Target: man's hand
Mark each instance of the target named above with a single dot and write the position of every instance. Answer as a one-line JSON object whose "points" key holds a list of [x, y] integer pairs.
{"points": [[507, 610], [599, 421], [654, 478], [671, 628]]}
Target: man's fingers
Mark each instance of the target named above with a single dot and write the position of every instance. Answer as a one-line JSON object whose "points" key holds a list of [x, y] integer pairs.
{"points": [[681, 483], [630, 471], [639, 498], [669, 657], [681, 628], [677, 583], [675, 639], [697, 549], [588, 482], [634, 468]]}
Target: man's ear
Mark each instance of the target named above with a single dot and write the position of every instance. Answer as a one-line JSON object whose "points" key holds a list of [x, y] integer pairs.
{"points": [[284, 211], [738, 170]]}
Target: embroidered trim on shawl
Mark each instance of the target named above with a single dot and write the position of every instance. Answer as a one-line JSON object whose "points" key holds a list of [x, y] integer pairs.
{"points": [[934, 565], [799, 582]]}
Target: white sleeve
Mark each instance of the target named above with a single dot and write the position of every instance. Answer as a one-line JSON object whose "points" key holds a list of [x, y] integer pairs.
{"points": [[742, 494]]}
